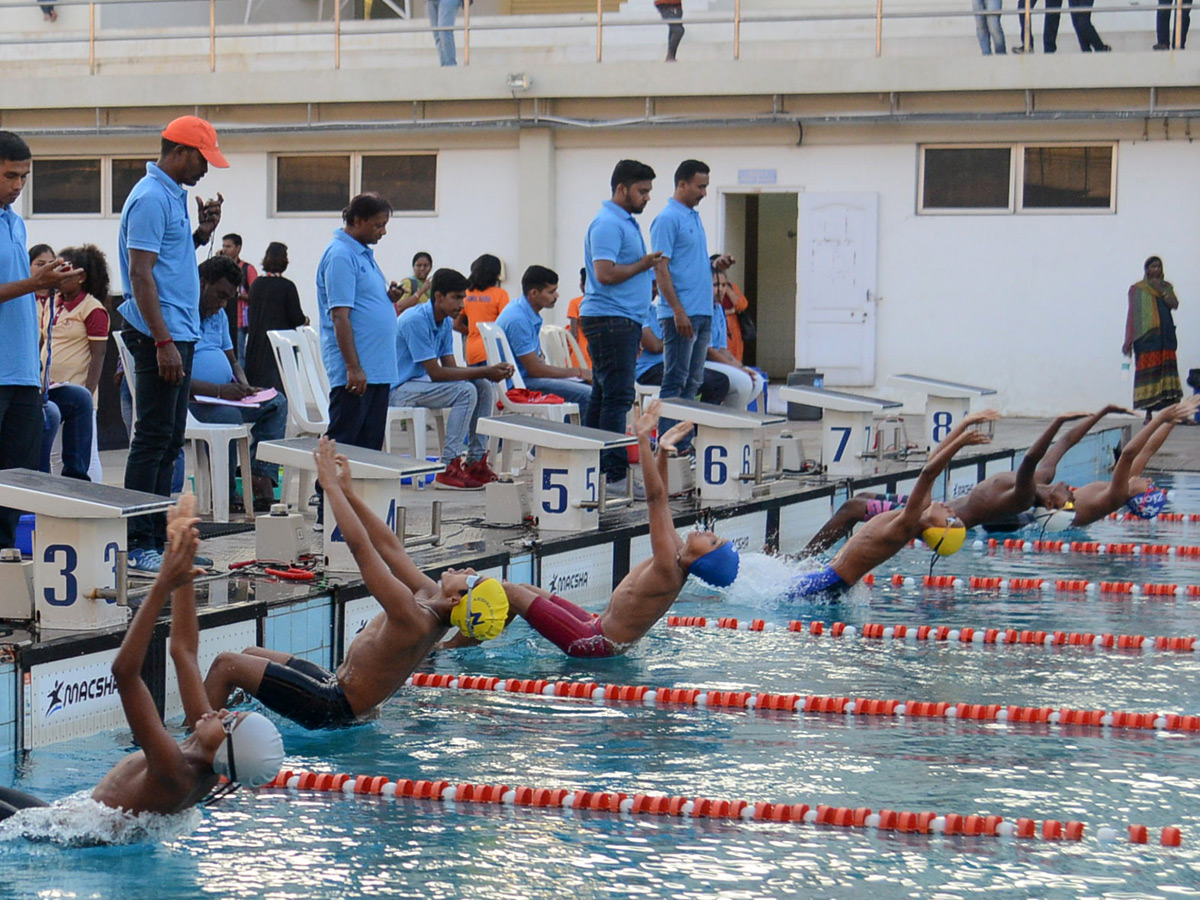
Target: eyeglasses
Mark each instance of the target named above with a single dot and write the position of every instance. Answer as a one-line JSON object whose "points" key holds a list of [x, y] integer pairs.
{"points": [[469, 618]]}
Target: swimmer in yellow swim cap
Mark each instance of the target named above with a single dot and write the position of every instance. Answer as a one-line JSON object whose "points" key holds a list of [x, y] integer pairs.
{"points": [[945, 540], [416, 613], [647, 592]]}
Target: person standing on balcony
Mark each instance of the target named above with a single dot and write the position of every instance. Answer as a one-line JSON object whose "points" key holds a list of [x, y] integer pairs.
{"points": [[1089, 38], [358, 327], [684, 276], [614, 305], [1165, 17], [442, 14], [671, 11], [162, 314], [988, 29]]}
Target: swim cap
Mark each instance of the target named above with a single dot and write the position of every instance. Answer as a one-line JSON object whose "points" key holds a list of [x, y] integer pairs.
{"points": [[1148, 503], [252, 751], [718, 567], [946, 540], [1054, 520], [483, 611]]}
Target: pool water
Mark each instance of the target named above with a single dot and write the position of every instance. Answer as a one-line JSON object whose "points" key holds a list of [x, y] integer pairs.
{"points": [[283, 844]]}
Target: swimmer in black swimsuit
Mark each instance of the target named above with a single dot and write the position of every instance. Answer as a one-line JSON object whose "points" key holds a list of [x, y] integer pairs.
{"points": [[417, 611]]}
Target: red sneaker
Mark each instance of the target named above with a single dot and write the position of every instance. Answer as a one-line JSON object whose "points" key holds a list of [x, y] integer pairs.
{"points": [[481, 471], [456, 478]]}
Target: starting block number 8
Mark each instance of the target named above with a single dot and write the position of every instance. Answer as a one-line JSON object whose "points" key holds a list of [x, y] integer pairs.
{"points": [[943, 420]]}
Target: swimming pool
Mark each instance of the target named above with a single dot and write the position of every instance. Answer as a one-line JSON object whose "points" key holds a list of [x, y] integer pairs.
{"points": [[282, 844]]}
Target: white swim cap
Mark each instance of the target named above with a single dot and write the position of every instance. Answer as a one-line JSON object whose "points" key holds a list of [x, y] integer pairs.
{"points": [[1053, 521], [252, 751]]}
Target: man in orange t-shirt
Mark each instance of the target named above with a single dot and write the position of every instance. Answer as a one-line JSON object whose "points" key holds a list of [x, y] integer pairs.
{"points": [[573, 320]]}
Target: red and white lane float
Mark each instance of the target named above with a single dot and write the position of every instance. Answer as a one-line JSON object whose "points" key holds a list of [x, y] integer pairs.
{"points": [[810, 703], [1003, 637], [650, 804]]}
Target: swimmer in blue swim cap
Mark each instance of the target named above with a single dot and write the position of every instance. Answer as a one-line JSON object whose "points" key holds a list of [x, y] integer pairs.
{"points": [[644, 595], [416, 613], [1100, 498]]}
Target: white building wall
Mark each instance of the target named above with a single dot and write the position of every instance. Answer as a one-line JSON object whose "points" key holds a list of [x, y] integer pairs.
{"points": [[1033, 305]]}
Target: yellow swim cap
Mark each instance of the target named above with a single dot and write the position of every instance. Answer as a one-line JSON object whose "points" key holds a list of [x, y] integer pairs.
{"points": [[483, 610], [945, 541]]}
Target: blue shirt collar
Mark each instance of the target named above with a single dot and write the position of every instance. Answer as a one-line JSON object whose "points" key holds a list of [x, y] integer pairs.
{"points": [[619, 211], [683, 207], [359, 246], [166, 180]]}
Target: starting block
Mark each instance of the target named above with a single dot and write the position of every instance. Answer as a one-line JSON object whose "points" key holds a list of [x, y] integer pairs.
{"points": [[79, 544], [846, 424], [374, 475], [728, 442], [567, 493], [946, 402]]}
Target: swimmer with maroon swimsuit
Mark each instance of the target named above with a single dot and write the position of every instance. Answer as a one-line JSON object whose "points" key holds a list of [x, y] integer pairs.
{"points": [[647, 592]]}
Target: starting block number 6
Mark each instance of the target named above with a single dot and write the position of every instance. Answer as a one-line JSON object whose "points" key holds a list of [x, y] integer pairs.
{"points": [[716, 469]]}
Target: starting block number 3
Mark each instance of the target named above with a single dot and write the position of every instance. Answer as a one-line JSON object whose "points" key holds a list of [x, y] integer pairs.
{"points": [[65, 558]]}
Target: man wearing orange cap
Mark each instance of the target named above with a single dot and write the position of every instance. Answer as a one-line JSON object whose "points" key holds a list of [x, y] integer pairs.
{"points": [[162, 313]]}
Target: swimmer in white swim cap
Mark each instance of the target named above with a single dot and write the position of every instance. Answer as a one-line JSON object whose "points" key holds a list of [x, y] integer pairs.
{"points": [[416, 613], [165, 776], [647, 592]]}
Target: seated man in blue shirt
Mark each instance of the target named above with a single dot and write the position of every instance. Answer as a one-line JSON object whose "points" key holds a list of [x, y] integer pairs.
{"points": [[216, 373], [427, 375], [522, 324]]}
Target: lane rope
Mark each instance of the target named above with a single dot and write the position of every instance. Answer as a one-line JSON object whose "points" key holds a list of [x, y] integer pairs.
{"points": [[811, 703], [951, 634], [653, 804], [1020, 585]]}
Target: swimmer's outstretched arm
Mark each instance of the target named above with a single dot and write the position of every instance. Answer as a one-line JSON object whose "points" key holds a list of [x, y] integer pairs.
{"points": [[922, 491], [665, 542], [393, 595], [1183, 410], [185, 639], [162, 753], [1027, 470], [382, 538], [1049, 464], [968, 421]]}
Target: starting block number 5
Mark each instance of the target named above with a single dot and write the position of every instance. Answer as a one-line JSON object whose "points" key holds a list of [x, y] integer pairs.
{"points": [[554, 489]]}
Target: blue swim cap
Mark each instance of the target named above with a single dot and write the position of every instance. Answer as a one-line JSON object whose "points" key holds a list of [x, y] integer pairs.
{"points": [[718, 567], [1147, 504]]}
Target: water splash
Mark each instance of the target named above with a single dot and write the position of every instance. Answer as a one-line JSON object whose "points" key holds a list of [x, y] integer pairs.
{"points": [[80, 821]]}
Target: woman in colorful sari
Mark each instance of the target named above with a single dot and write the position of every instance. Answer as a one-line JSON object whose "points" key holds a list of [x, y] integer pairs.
{"points": [[1150, 337]]}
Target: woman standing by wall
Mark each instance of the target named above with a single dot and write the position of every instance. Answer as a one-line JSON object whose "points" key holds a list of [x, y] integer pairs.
{"points": [[1150, 337]]}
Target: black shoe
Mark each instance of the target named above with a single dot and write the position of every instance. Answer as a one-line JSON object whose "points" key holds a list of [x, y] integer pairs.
{"points": [[1162, 46], [1104, 48], [1020, 48]]}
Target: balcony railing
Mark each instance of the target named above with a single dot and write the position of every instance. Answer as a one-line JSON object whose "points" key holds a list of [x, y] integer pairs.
{"points": [[883, 16]]}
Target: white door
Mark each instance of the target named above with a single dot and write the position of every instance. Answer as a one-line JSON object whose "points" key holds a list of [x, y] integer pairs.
{"points": [[835, 286]]}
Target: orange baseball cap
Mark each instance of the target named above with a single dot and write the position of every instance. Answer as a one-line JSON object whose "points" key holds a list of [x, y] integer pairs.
{"points": [[192, 131]]}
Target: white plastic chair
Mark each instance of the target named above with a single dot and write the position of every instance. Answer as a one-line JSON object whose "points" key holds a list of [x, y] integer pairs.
{"points": [[495, 342], [560, 347], [460, 356], [210, 448]]}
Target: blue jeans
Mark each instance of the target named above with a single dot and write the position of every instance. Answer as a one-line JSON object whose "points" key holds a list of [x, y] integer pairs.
{"points": [[683, 362], [74, 403], [987, 28], [267, 423], [157, 434], [441, 15], [21, 424], [571, 391], [466, 400], [613, 343]]}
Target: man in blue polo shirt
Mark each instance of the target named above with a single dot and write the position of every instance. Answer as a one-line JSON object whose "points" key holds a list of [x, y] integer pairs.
{"points": [[615, 300], [162, 314], [216, 373], [21, 417], [427, 376], [358, 327], [522, 324], [684, 276]]}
